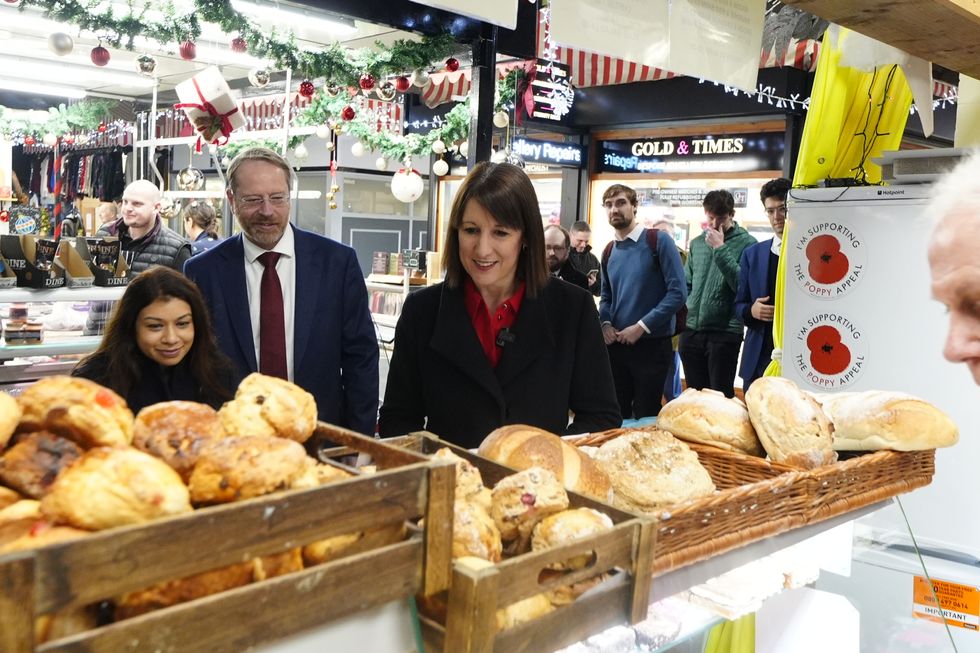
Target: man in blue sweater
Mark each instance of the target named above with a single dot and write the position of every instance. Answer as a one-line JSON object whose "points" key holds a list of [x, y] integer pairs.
{"points": [[643, 286]]}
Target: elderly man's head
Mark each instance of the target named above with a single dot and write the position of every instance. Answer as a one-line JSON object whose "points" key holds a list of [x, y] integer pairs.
{"points": [[955, 262]]}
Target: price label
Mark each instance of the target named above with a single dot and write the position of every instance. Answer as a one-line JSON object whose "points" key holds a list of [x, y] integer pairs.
{"points": [[959, 605]]}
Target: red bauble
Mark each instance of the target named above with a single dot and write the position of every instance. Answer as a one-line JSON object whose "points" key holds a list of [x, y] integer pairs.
{"points": [[366, 81], [348, 113], [306, 88], [100, 56], [402, 83], [102, 128], [29, 140], [452, 64], [188, 50], [70, 140], [238, 44], [4, 216]]}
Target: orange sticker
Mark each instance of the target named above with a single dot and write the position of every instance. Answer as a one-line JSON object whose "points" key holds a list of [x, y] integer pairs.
{"points": [[959, 604]]}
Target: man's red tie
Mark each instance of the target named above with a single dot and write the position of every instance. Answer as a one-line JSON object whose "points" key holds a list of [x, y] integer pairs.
{"points": [[272, 325]]}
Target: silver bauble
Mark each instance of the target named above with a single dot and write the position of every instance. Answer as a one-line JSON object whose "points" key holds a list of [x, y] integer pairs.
{"points": [[387, 91], [60, 43], [420, 78], [259, 77], [190, 178], [146, 65]]}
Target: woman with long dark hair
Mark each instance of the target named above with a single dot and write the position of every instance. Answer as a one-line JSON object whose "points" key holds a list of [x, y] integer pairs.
{"points": [[159, 345], [501, 341]]}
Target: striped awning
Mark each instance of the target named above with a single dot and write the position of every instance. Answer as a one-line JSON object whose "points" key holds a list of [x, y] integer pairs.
{"points": [[265, 112]]}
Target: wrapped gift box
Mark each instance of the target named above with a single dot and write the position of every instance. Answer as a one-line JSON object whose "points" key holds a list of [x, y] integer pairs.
{"points": [[209, 105]]}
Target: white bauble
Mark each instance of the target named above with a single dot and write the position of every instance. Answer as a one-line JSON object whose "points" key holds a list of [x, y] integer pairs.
{"points": [[406, 185], [500, 156], [420, 78], [381, 163], [50, 139], [464, 148], [438, 146], [501, 119], [440, 167], [357, 149], [323, 131], [225, 161], [301, 152], [60, 43]]}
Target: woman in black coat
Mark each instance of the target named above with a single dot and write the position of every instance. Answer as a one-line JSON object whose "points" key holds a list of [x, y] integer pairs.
{"points": [[500, 341], [159, 346]]}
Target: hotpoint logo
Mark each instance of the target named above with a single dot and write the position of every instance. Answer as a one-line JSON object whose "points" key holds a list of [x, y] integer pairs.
{"points": [[891, 192]]}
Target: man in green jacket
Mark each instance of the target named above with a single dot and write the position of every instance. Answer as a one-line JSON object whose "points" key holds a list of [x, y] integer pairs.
{"points": [[709, 347]]}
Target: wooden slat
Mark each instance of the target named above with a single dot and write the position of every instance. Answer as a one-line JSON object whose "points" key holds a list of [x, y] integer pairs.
{"points": [[645, 545], [105, 564], [572, 623], [16, 600], [439, 527], [946, 32], [471, 616], [382, 453], [519, 575], [239, 619]]}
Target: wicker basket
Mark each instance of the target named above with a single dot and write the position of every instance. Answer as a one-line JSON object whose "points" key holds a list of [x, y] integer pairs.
{"points": [[860, 479], [756, 499]]}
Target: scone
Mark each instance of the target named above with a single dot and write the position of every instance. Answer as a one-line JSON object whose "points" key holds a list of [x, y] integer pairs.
{"points": [[316, 474], [523, 611], [469, 481], [652, 469], [78, 409], [8, 497], [340, 546], [475, 533], [41, 533], [33, 463], [709, 417], [171, 431], [109, 487], [237, 468], [790, 423], [9, 417], [522, 447], [266, 405], [277, 564], [20, 510], [523, 499], [566, 527], [182, 590]]}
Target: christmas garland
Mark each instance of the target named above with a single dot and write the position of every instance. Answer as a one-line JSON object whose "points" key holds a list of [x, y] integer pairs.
{"points": [[82, 116], [338, 65]]}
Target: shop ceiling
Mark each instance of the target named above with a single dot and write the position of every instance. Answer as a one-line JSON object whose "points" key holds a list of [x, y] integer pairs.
{"points": [[945, 32]]}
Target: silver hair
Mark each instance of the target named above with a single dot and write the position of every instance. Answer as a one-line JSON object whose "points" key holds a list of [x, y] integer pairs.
{"points": [[957, 190]]}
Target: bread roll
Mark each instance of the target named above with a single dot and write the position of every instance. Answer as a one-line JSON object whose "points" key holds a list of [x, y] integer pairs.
{"points": [[469, 481], [566, 527], [269, 406], [868, 421], [651, 470], [8, 497], [9, 417], [709, 417], [523, 611], [182, 590], [565, 594], [475, 533], [78, 409], [171, 431], [110, 487], [316, 474], [237, 468], [790, 423], [523, 499], [340, 546], [34, 462], [277, 564], [522, 447]]}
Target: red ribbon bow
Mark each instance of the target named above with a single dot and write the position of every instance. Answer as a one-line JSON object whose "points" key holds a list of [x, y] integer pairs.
{"points": [[224, 125]]}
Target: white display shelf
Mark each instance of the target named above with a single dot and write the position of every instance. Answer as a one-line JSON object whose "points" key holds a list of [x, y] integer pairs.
{"points": [[92, 293], [77, 345]]}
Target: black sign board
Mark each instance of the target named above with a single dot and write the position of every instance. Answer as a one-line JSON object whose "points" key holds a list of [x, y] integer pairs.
{"points": [[569, 155], [702, 153]]}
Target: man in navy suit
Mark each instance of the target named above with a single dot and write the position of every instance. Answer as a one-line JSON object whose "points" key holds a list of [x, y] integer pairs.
{"points": [[755, 299], [305, 291]]}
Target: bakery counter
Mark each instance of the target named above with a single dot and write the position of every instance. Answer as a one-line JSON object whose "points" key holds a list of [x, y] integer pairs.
{"points": [[76, 345], [92, 293]]}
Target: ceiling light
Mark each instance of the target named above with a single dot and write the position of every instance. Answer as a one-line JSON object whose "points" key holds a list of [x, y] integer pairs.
{"points": [[67, 74], [296, 17], [42, 89]]}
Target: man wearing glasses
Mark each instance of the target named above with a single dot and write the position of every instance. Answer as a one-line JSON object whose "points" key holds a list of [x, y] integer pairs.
{"points": [[287, 302], [756, 297], [557, 244]]}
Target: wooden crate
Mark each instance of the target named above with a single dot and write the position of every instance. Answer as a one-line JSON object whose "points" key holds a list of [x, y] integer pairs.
{"points": [[475, 595], [109, 563], [756, 499]]}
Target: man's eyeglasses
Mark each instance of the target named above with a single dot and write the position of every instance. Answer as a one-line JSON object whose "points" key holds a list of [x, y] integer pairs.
{"points": [[255, 201], [781, 210]]}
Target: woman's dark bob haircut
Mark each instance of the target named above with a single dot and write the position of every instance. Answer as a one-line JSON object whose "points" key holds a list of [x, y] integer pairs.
{"points": [[505, 191]]}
